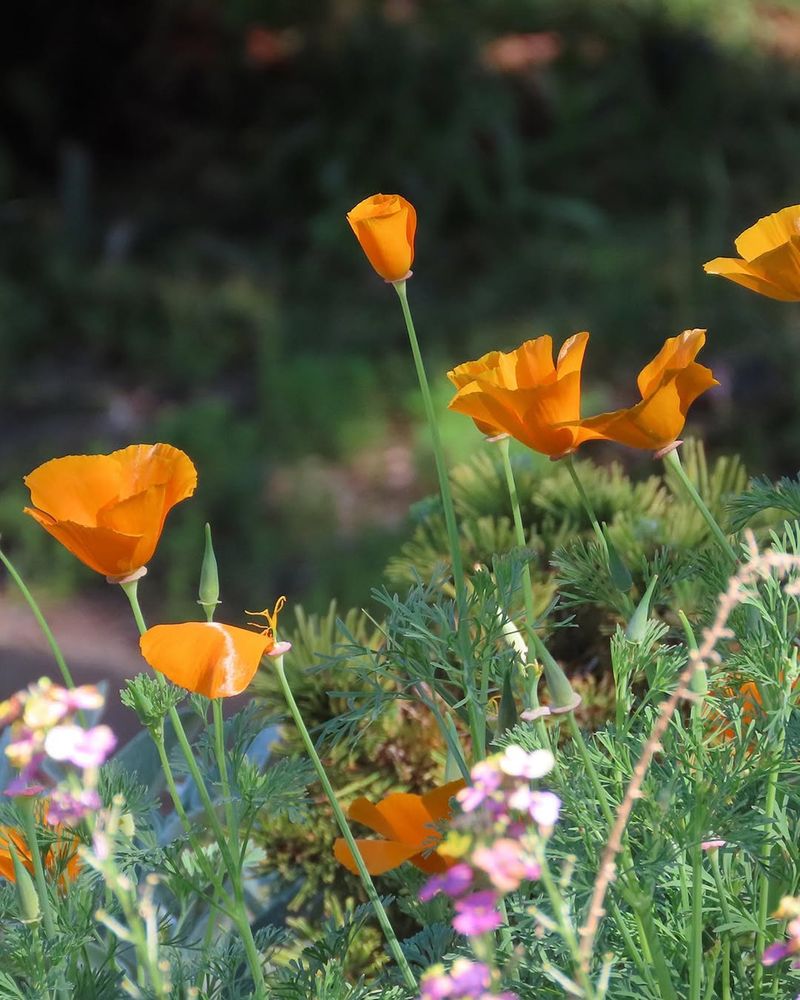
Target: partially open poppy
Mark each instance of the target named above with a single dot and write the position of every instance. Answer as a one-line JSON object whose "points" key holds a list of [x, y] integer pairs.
{"points": [[407, 824], [669, 385], [522, 393], [769, 261], [61, 857], [109, 510], [385, 226], [211, 659]]}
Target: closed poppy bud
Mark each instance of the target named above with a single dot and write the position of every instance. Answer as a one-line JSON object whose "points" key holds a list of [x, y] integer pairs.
{"points": [[109, 510], [27, 898], [385, 225]]}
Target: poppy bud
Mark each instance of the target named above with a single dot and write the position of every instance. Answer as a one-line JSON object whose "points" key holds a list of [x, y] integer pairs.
{"points": [[209, 578], [385, 225], [638, 620], [27, 897]]}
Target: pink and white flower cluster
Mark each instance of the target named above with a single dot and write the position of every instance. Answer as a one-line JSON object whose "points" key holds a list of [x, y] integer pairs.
{"points": [[43, 726], [504, 823]]}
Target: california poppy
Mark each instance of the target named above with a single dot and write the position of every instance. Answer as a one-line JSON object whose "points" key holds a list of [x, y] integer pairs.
{"points": [[211, 659], [669, 385], [62, 855], [385, 225], [524, 394], [109, 510], [407, 824], [769, 261]]}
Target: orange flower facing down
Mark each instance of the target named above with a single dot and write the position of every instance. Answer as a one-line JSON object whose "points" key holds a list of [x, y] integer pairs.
{"points": [[385, 225], [668, 385], [211, 659], [109, 510], [524, 394], [62, 855], [407, 824], [769, 261]]}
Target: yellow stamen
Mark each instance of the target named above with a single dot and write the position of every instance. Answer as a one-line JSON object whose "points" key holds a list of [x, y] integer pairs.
{"points": [[271, 616]]}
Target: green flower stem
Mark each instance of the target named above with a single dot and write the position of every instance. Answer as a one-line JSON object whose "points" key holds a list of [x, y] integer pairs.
{"points": [[763, 880], [41, 621], [241, 917], [565, 927], [587, 503], [219, 745], [696, 935], [25, 804], [475, 712], [727, 918], [673, 461], [366, 878], [441, 468]]}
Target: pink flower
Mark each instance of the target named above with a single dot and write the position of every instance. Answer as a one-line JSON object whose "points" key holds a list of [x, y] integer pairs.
{"points": [[477, 913], [84, 698], [485, 780], [544, 809], [506, 863], [81, 747], [712, 845], [70, 809], [453, 882]]}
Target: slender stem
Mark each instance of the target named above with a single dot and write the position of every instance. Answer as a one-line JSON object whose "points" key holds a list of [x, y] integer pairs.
{"points": [[438, 452], [727, 917], [25, 806], [600, 793], [763, 880], [673, 461], [565, 927], [696, 936], [587, 503], [219, 744], [40, 619], [241, 918], [366, 878]]}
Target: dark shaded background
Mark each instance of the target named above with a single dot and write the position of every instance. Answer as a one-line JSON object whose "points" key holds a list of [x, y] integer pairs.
{"points": [[175, 263]]}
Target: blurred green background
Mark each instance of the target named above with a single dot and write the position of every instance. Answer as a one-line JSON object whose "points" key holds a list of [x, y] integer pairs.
{"points": [[175, 263]]}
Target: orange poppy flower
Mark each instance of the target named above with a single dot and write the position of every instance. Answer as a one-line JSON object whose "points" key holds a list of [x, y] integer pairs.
{"points": [[385, 225], [109, 510], [211, 659], [61, 856], [769, 261], [407, 824], [524, 394], [669, 385]]}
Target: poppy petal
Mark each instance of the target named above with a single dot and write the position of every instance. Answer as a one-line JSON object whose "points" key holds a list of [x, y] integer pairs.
{"points": [[769, 233], [410, 820], [75, 487], [431, 863], [437, 801], [145, 465], [108, 552], [379, 855], [749, 276], [677, 352], [364, 812], [211, 659]]}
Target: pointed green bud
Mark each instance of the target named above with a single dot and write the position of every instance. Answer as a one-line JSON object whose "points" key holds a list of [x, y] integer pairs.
{"points": [[507, 716], [27, 897], [618, 571], [562, 697], [638, 620], [699, 683], [209, 578]]}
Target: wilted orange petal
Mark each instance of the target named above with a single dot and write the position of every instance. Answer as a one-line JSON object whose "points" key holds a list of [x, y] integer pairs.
{"points": [[379, 855], [211, 659]]}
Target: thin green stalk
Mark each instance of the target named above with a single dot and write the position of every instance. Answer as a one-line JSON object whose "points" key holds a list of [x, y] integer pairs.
{"points": [[40, 619], [438, 451], [727, 916], [661, 970], [240, 915], [366, 878], [219, 745], [696, 935], [763, 880], [587, 503], [673, 461], [25, 806], [476, 724], [565, 927]]}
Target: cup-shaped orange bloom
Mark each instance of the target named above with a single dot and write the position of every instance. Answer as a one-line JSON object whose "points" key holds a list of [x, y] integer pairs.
{"points": [[407, 824], [385, 225], [524, 394], [211, 659], [669, 385], [109, 510], [61, 856], [769, 257]]}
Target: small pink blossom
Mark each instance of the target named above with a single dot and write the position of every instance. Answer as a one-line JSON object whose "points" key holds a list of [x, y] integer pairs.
{"points": [[545, 809], [70, 809], [712, 845], [506, 863], [477, 914], [519, 763], [485, 780]]}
